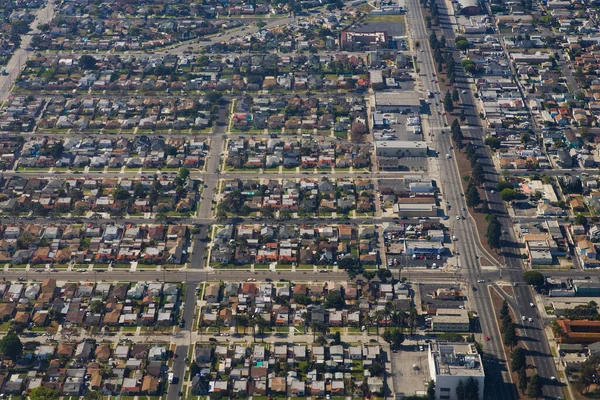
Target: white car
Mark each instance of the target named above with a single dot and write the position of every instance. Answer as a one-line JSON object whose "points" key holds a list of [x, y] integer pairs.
{"points": [[458, 217]]}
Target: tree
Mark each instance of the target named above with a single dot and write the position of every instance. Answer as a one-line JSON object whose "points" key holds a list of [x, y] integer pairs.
{"points": [[455, 96], [534, 278], [431, 390], [472, 195], [376, 369], [462, 43], [510, 335], [534, 389], [243, 321], [43, 393], [522, 375], [493, 142], [87, 61], [321, 340], [394, 337], [504, 310], [508, 194], [556, 329], [120, 193], [581, 220], [471, 389], [478, 173], [517, 359], [261, 24], [337, 337], [318, 327], [334, 300], [448, 105], [11, 346], [588, 374], [494, 232], [302, 299], [460, 390], [97, 306]]}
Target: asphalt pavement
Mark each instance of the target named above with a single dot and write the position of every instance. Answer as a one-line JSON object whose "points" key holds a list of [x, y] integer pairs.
{"points": [[536, 340]]}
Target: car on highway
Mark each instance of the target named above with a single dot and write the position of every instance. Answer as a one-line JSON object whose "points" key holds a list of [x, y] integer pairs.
{"points": [[487, 338]]}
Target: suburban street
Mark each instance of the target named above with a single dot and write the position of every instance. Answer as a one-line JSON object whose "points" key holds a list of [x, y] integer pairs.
{"points": [[478, 271]]}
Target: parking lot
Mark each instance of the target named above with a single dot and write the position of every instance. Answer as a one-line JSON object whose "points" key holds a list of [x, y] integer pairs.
{"points": [[410, 371]]}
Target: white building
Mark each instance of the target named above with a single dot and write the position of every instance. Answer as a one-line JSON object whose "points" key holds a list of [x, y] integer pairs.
{"points": [[450, 363]]}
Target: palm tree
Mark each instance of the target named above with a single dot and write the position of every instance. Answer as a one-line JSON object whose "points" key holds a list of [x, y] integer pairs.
{"points": [[398, 319], [412, 319], [219, 323], [379, 315], [368, 321], [318, 327], [258, 321], [241, 320]]}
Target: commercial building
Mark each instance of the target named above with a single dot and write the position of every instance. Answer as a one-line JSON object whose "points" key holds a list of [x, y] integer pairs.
{"points": [[416, 210], [423, 247], [450, 363], [398, 101], [586, 289], [401, 148], [354, 41], [580, 331], [450, 320]]}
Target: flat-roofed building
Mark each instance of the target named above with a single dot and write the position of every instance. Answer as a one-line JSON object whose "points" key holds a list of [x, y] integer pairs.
{"points": [[398, 101], [450, 363], [450, 320]]}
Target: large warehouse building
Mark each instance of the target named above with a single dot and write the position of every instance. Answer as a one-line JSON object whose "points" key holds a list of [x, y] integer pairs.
{"points": [[469, 7]]}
